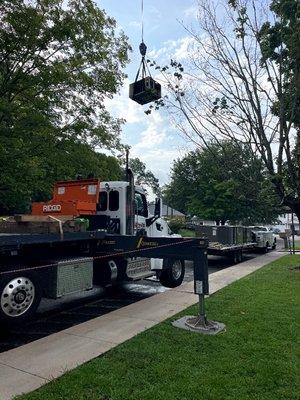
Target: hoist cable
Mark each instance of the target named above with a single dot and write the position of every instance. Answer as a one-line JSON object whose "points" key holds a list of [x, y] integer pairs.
{"points": [[143, 67], [142, 12]]}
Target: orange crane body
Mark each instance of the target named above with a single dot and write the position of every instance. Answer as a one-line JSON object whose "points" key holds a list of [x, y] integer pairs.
{"points": [[73, 198]]}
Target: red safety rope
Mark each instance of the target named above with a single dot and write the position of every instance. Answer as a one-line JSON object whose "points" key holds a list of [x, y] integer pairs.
{"points": [[123, 253]]}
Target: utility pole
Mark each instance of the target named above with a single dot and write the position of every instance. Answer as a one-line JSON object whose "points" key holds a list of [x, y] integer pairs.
{"points": [[293, 233]]}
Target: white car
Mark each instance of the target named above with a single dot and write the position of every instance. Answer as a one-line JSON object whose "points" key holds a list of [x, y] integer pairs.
{"points": [[264, 238]]}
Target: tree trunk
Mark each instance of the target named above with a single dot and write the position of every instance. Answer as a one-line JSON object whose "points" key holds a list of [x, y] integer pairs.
{"points": [[296, 210]]}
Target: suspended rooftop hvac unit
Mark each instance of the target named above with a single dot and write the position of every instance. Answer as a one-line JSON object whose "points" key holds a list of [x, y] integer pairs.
{"points": [[144, 90]]}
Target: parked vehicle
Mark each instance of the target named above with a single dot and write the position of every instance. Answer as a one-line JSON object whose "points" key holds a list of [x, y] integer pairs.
{"points": [[264, 238], [90, 233], [225, 240], [232, 241]]}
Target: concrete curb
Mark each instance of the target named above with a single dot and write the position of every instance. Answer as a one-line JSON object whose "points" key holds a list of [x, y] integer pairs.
{"points": [[30, 366]]}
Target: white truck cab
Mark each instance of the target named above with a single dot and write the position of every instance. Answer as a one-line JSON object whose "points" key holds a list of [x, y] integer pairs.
{"points": [[113, 203]]}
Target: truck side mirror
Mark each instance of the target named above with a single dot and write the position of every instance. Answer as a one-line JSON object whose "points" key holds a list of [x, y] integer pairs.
{"points": [[157, 208], [157, 212]]}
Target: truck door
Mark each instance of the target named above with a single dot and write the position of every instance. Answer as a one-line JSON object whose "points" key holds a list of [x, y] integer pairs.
{"points": [[141, 211]]}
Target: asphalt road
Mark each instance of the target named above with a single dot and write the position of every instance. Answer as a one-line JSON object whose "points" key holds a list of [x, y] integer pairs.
{"points": [[56, 315]]}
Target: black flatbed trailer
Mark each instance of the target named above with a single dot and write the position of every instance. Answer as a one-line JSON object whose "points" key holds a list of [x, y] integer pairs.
{"points": [[233, 251], [12, 241], [226, 240], [30, 263]]}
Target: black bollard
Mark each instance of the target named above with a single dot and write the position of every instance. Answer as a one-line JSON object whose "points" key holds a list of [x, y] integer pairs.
{"points": [[200, 323]]}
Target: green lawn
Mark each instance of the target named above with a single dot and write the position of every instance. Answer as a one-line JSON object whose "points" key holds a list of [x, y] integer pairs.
{"points": [[255, 359], [187, 233], [297, 246]]}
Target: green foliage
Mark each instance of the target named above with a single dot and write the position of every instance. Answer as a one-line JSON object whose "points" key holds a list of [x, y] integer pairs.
{"points": [[58, 62], [187, 233], [143, 176], [176, 224], [30, 171], [280, 42], [223, 182]]}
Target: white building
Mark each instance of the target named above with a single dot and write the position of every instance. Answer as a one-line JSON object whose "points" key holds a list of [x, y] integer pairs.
{"points": [[166, 211], [285, 222]]}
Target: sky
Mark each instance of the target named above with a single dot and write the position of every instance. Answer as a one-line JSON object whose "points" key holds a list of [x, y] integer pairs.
{"points": [[152, 137]]}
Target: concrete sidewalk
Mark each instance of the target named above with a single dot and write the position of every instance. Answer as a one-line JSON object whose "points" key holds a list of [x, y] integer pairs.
{"points": [[30, 366]]}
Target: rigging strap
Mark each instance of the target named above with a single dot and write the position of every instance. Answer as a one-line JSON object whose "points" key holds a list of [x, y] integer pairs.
{"points": [[144, 67]]}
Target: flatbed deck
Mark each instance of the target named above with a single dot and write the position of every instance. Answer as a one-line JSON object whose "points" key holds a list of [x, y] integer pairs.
{"points": [[52, 265], [10, 241], [215, 248]]}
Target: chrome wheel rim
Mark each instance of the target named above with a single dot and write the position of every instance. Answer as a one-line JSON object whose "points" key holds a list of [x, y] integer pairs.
{"points": [[176, 269], [17, 296]]}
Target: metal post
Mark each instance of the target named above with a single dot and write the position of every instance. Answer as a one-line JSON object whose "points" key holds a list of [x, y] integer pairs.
{"points": [[293, 233], [200, 323], [202, 314], [127, 157]]}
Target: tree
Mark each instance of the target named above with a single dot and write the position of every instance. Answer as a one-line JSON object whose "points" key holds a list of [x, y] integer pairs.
{"points": [[280, 43], [143, 176], [242, 83], [222, 182], [59, 61], [31, 178]]}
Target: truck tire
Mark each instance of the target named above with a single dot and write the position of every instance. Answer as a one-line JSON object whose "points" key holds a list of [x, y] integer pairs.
{"points": [[172, 273], [237, 256], [240, 256], [20, 296]]}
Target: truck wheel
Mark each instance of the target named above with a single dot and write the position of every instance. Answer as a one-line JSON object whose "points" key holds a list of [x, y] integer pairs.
{"points": [[173, 273], [240, 256], [237, 256], [19, 298]]}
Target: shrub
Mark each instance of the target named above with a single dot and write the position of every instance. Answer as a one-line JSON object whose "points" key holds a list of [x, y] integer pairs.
{"points": [[176, 224]]}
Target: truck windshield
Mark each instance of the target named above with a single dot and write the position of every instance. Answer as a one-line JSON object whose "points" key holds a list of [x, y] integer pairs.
{"points": [[260, 228], [140, 204]]}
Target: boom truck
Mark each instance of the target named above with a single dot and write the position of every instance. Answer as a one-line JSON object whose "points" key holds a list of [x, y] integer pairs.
{"points": [[113, 239]]}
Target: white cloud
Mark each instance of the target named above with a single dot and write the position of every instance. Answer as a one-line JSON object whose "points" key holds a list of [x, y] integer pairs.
{"points": [[186, 45], [159, 146], [152, 137], [135, 24], [191, 12], [121, 106], [154, 134], [178, 50], [160, 160], [153, 11]]}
